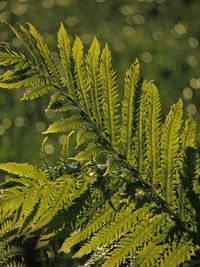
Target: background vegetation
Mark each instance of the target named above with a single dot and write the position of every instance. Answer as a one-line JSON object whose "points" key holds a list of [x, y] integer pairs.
{"points": [[163, 34]]}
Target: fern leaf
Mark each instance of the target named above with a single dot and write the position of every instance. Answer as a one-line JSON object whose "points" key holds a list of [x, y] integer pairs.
{"points": [[190, 180], [42, 47], [72, 123], [37, 91], [27, 81], [131, 79], [8, 253], [64, 49], [24, 170], [8, 197], [31, 199], [122, 223], [170, 148], [23, 35], [140, 113], [47, 196], [110, 97], [18, 74], [83, 87], [8, 231], [84, 135], [92, 66], [11, 56], [55, 197], [64, 153], [188, 140], [92, 151], [133, 241], [153, 132], [99, 219], [150, 254], [179, 253], [66, 56], [22, 181], [58, 195], [189, 133]]}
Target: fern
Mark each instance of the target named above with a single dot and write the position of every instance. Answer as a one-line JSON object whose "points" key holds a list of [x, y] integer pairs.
{"points": [[92, 67], [10, 56], [127, 130], [80, 75], [71, 123], [124, 196], [45, 53], [110, 97], [153, 133], [65, 54], [169, 155]]}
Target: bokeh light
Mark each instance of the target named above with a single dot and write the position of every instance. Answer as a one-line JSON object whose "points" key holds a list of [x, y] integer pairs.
{"points": [[49, 149]]}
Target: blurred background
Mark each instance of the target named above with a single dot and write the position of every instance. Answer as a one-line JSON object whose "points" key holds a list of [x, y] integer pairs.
{"points": [[163, 35]]}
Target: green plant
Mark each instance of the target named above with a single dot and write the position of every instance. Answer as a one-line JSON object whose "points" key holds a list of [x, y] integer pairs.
{"points": [[126, 185]]}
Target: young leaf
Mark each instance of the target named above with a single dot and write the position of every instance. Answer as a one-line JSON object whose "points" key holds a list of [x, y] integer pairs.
{"points": [[169, 152], [127, 131], [92, 66], [110, 97]]}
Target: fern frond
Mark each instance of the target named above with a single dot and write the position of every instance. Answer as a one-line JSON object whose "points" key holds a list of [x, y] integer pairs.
{"points": [[153, 132], [59, 102], [42, 47], [24, 196], [10, 55], [8, 197], [11, 182], [190, 180], [107, 206], [25, 170], [60, 194], [123, 222], [92, 66], [8, 253], [133, 241], [23, 34], [127, 130], [188, 140], [99, 219], [64, 153], [84, 135], [150, 255], [37, 91], [54, 197], [169, 156], [178, 253], [189, 133], [26, 81], [65, 53], [31, 200], [93, 151], [140, 113], [110, 97], [64, 125], [8, 231], [83, 87], [66, 57]]}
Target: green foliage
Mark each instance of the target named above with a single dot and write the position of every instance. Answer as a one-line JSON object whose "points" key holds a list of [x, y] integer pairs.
{"points": [[120, 193], [167, 49]]}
